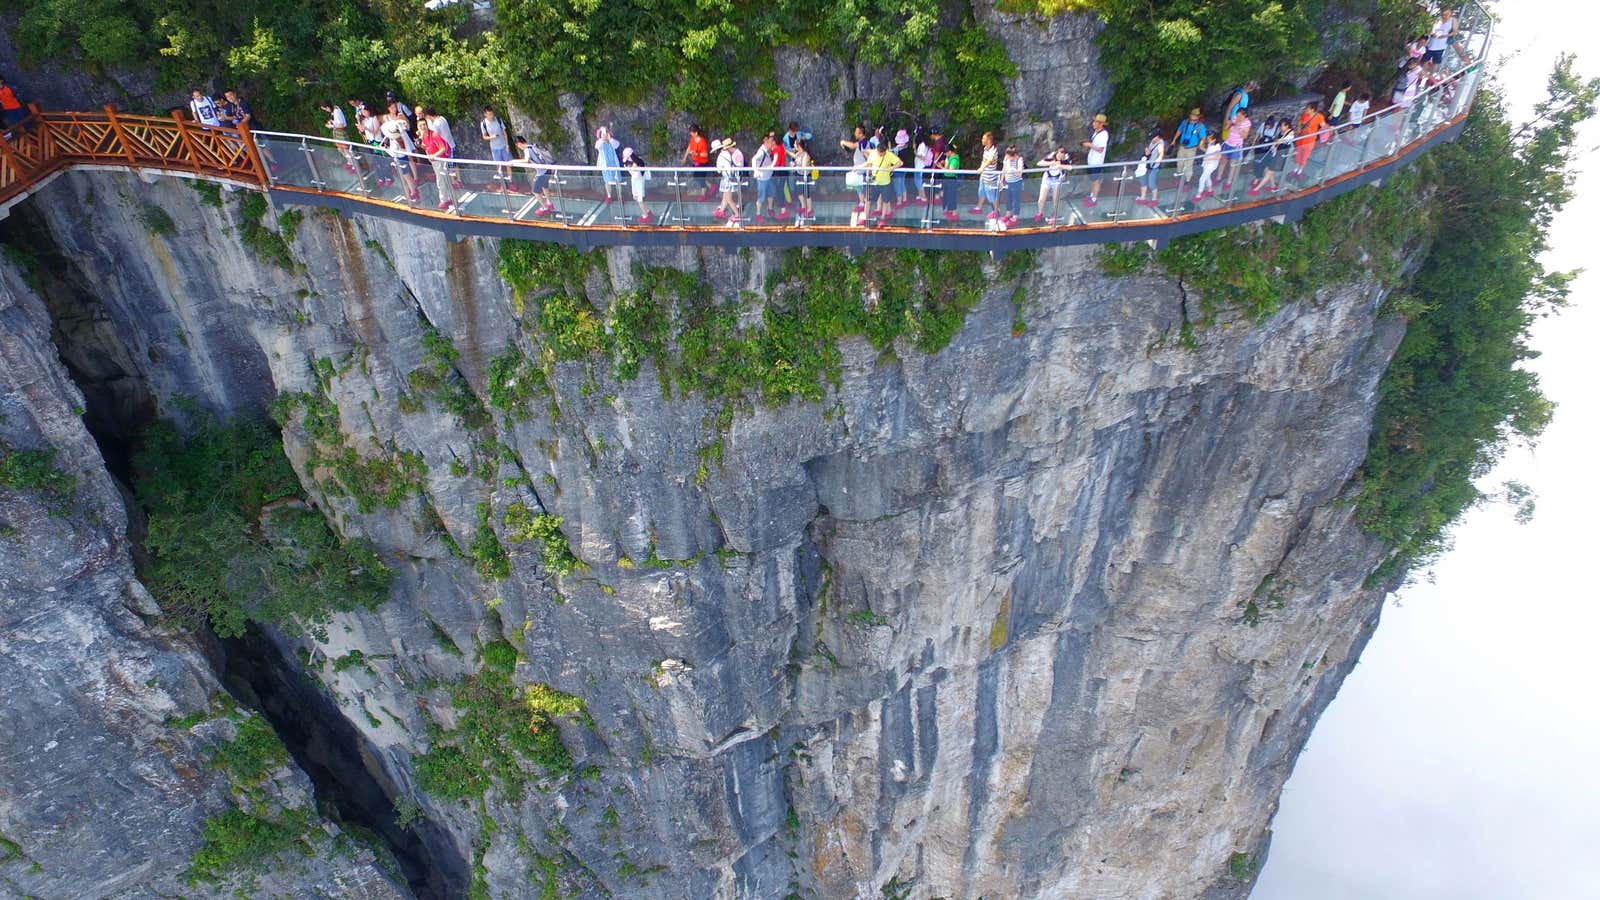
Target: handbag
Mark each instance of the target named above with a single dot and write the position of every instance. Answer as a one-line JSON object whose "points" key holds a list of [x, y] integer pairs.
{"points": [[1142, 169]]}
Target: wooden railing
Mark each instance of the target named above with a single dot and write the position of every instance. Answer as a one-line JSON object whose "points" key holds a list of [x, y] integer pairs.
{"points": [[47, 142]]}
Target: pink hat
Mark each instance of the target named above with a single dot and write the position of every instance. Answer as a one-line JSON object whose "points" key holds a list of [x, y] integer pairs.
{"points": [[900, 137]]}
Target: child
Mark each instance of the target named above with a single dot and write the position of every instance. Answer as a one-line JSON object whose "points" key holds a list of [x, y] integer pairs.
{"points": [[636, 168], [1210, 158], [541, 160], [1011, 167], [1358, 109], [1336, 108], [605, 149], [1055, 166]]}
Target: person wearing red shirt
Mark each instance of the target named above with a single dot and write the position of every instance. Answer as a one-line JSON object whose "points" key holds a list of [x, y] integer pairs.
{"points": [[781, 171], [1307, 132], [438, 149], [11, 111], [698, 154]]}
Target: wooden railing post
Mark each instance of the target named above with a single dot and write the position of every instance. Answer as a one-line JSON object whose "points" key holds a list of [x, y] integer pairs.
{"points": [[122, 136], [187, 140], [254, 153], [19, 175], [47, 137]]}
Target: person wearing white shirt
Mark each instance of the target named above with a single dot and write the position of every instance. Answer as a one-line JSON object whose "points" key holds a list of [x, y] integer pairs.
{"points": [[1099, 140], [1439, 38], [204, 109]]}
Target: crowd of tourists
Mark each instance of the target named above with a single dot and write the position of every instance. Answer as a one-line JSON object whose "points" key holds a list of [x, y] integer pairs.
{"points": [[888, 170]]}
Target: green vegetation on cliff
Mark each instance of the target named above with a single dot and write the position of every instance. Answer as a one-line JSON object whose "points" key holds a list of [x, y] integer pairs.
{"points": [[36, 471], [1165, 56], [1456, 393], [718, 348], [500, 729], [712, 61], [230, 539]]}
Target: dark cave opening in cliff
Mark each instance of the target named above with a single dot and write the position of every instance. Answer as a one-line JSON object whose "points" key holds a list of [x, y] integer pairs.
{"points": [[347, 780]]}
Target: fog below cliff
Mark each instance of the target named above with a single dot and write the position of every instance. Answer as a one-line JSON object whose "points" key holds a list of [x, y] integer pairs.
{"points": [[1457, 761]]}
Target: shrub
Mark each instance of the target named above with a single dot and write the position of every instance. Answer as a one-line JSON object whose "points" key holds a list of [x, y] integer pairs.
{"points": [[500, 656], [35, 471], [498, 734], [212, 556], [522, 524], [238, 841], [1456, 392], [252, 754]]}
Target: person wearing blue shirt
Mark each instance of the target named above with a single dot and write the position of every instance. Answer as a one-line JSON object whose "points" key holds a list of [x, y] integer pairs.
{"points": [[1239, 100], [1187, 138]]}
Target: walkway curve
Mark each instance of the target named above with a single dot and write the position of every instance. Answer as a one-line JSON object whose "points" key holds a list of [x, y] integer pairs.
{"points": [[493, 200]]}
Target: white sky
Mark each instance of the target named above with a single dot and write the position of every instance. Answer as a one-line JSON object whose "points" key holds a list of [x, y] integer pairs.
{"points": [[1460, 759]]}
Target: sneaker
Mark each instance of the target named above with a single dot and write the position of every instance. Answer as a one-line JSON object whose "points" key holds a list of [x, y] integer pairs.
{"points": [[414, 196], [719, 213], [1253, 192], [975, 210], [444, 204], [994, 215], [1090, 201], [923, 201], [1037, 217], [1050, 221], [1228, 186], [760, 219], [860, 208], [646, 218], [1197, 198], [609, 198]]}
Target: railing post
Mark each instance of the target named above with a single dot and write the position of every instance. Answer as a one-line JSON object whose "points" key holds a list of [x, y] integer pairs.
{"points": [[47, 137], [187, 140], [254, 154], [22, 176], [122, 136]]}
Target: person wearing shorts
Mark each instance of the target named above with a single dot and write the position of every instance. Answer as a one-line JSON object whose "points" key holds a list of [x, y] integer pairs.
{"points": [[989, 178], [1439, 38], [493, 132], [1150, 182], [1233, 148], [1097, 144]]}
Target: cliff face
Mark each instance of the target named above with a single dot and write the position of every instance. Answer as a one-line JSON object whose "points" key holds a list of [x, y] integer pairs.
{"points": [[101, 793], [1047, 613]]}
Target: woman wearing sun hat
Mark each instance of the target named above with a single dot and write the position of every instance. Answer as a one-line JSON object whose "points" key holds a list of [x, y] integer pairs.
{"points": [[729, 162]]}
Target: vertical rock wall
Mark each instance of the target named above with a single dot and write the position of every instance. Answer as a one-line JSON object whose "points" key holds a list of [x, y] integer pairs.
{"points": [[100, 793], [1046, 613]]}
